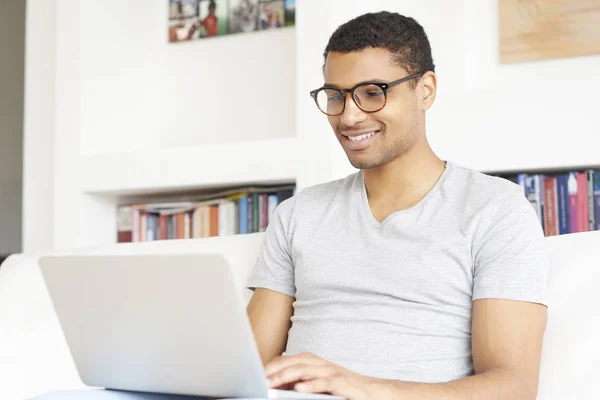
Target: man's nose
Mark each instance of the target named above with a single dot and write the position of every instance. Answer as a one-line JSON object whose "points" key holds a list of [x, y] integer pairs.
{"points": [[352, 114]]}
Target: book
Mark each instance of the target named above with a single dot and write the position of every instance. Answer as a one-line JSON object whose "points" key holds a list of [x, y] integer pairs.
{"points": [[534, 193], [596, 179], [590, 192], [582, 202], [551, 224], [573, 209], [562, 196]]}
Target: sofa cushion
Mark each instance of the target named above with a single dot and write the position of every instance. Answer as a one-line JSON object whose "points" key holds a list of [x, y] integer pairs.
{"points": [[571, 353]]}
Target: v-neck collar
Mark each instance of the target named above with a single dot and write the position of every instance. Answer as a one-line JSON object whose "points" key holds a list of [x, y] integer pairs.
{"points": [[366, 208]]}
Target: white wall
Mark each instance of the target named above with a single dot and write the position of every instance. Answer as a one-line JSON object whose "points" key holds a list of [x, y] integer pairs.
{"points": [[12, 49], [138, 91], [102, 78], [487, 116], [38, 140]]}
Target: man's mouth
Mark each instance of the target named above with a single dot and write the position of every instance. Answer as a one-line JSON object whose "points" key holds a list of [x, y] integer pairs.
{"points": [[355, 137], [359, 140], [363, 136]]}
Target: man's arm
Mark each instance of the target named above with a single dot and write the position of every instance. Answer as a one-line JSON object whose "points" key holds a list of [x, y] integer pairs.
{"points": [[507, 341], [270, 315]]}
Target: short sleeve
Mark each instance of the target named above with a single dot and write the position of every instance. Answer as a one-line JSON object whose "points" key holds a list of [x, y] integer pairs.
{"points": [[510, 258], [274, 268]]}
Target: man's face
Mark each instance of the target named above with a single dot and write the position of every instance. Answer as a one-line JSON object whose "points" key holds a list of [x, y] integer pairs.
{"points": [[395, 127]]}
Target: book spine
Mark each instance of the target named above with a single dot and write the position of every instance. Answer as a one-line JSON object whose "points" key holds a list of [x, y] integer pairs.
{"points": [[196, 223], [163, 227], [243, 214], [550, 207], [214, 220], [135, 233], [563, 204], [250, 214], [151, 228], [273, 201], [573, 217], [263, 211], [255, 214], [143, 225], [180, 226], [170, 227], [236, 217], [202, 221], [582, 202], [597, 198], [223, 219], [186, 225], [535, 195], [590, 193]]}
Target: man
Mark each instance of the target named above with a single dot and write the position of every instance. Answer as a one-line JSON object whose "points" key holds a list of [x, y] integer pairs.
{"points": [[414, 278]]}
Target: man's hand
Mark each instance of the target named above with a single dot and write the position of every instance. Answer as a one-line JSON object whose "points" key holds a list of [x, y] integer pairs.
{"points": [[309, 373]]}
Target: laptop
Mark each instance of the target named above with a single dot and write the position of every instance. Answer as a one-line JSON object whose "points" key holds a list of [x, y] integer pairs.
{"points": [[172, 324]]}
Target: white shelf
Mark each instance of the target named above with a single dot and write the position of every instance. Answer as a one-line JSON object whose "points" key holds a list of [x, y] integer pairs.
{"points": [[190, 168]]}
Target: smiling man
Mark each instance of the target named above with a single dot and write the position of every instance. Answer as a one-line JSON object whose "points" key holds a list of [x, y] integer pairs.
{"points": [[414, 278]]}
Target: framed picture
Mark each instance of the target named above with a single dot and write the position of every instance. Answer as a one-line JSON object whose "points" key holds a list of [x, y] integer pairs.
{"points": [[198, 19]]}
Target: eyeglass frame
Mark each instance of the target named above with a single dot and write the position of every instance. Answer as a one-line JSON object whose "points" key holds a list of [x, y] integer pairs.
{"points": [[383, 86]]}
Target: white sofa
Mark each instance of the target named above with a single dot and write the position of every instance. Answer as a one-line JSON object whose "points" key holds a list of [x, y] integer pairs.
{"points": [[34, 357]]}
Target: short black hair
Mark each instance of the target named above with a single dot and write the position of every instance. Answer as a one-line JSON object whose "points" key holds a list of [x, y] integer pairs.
{"points": [[402, 36]]}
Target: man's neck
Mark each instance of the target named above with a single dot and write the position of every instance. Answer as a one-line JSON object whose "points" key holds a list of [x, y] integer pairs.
{"points": [[404, 181]]}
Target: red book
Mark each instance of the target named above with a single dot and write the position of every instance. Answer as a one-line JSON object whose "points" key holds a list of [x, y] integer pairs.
{"points": [[582, 202], [551, 227]]}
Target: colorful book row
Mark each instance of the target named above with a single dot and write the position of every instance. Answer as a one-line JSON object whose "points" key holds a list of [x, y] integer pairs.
{"points": [[565, 203], [245, 211]]}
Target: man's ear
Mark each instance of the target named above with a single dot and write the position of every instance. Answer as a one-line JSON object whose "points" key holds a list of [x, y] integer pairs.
{"points": [[428, 88]]}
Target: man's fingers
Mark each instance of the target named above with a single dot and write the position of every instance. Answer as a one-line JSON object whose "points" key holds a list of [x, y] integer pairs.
{"points": [[329, 384], [282, 362], [299, 373]]}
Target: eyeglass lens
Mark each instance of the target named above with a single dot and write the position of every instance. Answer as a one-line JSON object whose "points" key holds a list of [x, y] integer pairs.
{"points": [[369, 98]]}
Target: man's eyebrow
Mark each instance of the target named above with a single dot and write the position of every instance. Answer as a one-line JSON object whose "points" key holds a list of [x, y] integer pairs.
{"points": [[332, 85]]}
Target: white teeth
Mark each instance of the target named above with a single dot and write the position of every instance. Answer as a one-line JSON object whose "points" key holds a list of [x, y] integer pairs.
{"points": [[361, 137]]}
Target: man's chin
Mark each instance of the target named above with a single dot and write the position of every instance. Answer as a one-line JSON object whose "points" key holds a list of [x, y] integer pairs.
{"points": [[362, 163]]}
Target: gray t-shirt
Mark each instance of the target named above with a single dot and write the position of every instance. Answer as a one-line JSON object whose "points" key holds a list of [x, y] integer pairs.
{"points": [[394, 299]]}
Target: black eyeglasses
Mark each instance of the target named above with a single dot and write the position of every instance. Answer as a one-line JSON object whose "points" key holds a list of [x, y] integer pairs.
{"points": [[368, 96]]}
